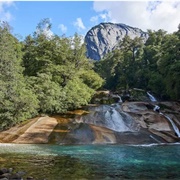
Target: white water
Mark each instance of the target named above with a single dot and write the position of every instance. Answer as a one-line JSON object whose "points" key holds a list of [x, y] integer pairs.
{"points": [[155, 139], [151, 97], [111, 117], [118, 121], [115, 121], [176, 130], [117, 96], [120, 100], [156, 108]]}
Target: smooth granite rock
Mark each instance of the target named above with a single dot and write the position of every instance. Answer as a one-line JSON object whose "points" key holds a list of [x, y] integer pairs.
{"points": [[105, 37]]}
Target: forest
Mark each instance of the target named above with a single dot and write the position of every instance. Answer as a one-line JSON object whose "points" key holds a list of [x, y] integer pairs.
{"points": [[153, 65], [42, 75], [52, 75]]}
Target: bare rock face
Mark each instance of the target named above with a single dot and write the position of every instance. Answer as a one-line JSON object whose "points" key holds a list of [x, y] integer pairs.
{"points": [[156, 123], [120, 123], [105, 37], [36, 131]]}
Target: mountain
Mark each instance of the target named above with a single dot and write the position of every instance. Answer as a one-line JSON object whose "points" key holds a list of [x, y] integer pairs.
{"points": [[104, 37]]}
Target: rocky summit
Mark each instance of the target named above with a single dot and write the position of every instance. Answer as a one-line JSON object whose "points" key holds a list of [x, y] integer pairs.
{"points": [[105, 37]]}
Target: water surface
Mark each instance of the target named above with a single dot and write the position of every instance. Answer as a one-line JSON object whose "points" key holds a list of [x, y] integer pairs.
{"points": [[54, 162]]}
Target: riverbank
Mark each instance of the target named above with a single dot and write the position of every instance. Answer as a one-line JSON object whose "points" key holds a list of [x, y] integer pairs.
{"points": [[12, 174], [119, 123]]}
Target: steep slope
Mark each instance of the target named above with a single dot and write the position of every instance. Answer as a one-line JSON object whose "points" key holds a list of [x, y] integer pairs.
{"points": [[104, 37]]}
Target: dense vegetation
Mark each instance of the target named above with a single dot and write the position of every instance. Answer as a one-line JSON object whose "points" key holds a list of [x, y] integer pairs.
{"points": [[152, 65], [42, 74], [51, 74]]}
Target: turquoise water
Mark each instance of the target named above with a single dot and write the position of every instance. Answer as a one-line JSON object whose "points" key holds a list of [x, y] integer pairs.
{"points": [[53, 162]]}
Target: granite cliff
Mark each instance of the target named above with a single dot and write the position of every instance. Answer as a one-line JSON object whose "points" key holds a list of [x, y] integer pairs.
{"points": [[104, 37]]}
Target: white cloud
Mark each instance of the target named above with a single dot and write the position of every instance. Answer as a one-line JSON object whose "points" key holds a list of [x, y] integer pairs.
{"points": [[45, 30], [5, 15], [102, 17], [94, 19], [81, 40], [48, 33], [105, 16], [79, 24], [143, 14], [63, 28]]}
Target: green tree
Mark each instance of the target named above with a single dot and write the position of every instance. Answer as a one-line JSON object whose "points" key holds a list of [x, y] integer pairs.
{"points": [[57, 70], [119, 67], [107, 68], [17, 102], [169, 64]]}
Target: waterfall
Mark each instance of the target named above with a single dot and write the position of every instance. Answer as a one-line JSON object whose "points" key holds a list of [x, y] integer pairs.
{"points": [[117, 96], [156, 108], [118, 121], [151, 97], [120, 100], [112, 117], [176, 130], [115, 121]]}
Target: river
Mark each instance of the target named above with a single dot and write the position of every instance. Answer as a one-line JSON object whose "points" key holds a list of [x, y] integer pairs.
{"points": [[55, 162]]}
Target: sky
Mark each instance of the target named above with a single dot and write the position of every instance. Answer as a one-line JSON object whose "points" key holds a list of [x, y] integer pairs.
{"points": [[70, 17]]}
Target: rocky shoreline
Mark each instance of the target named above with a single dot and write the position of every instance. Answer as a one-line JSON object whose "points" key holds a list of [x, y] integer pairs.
{"points": [[12, 174], [108, 120]]}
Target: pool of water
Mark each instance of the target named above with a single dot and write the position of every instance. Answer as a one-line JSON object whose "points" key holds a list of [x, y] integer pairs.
{"points": [[55, 162]]}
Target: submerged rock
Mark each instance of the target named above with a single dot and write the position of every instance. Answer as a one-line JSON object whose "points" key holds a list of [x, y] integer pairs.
{"points": [[10, 174]]}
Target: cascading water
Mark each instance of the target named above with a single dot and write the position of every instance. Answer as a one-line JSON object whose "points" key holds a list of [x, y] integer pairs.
{"points": [[156, 108], [117, 96], [176, 130], [120, 100], [151, 97], [111, 117], [115, 121]]}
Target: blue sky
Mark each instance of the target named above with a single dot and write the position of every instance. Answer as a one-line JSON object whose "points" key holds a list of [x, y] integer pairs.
{"points": [[68, 17]]}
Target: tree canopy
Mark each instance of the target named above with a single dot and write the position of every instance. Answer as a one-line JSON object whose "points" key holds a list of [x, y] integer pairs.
{"points": [[47, 73], [17, 101], [153, 65], [43, 74]]}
